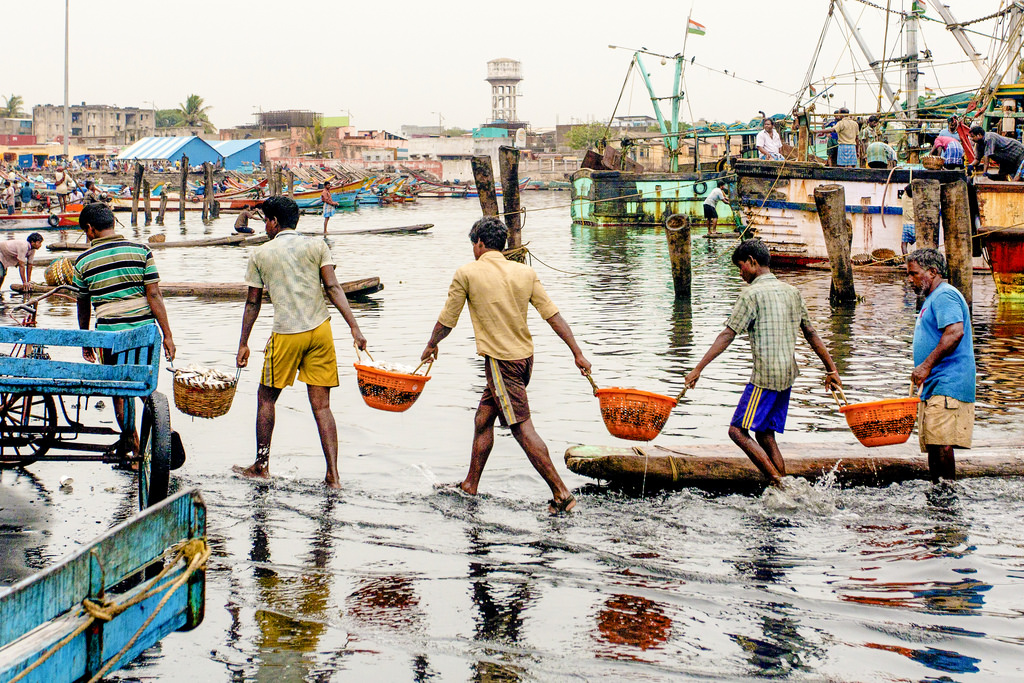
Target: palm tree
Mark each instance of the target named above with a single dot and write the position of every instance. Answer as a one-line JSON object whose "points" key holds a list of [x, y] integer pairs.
{"points": [[316, 139], [193, 113], [12, 107]]}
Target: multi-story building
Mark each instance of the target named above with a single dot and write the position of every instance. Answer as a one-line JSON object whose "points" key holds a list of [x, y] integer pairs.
{"points": [[93, 124]]}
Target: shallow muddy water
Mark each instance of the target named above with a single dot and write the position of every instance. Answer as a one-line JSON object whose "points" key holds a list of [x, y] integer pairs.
{"points": [[390, 579]]}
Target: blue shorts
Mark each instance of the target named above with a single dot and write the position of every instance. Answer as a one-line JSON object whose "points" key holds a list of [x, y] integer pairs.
{"points": [[909, 236], [762, 410], [328, 210]]}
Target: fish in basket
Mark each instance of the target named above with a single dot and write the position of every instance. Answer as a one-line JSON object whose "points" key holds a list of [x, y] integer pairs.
{"points": [[389, 386], [880, 423], [204, 392], [634, 414]]}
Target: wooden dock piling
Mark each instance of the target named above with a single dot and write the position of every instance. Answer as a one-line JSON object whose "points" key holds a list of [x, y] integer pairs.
{"points": [[677, 231], [956, 229], [831, 203], [926, 212], [483, 176], [147, 207], [207, 189], [184, 190], [291, 184], [163, 206], [136, 188], [508, 164]]}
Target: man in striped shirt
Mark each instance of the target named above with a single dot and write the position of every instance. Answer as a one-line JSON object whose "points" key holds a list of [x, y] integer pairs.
{"points": [[119, 279]]}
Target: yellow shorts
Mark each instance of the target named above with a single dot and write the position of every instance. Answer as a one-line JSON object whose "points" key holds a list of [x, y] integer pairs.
{"points": [[310, 353], [945, 421]]}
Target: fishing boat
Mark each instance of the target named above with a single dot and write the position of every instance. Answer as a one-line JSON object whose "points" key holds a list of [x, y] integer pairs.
{"points": [[344, 194], [41, 221], [98, 609]]}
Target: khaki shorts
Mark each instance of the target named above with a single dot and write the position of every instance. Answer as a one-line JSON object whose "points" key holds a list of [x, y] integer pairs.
{"points": [[310, 353], [945, 421]]}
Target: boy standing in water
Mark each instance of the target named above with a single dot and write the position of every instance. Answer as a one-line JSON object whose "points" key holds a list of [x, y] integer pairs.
{"points": [[771, 312]]}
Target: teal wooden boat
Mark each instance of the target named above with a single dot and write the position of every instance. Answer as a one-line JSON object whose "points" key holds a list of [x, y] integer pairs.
{"points": [[57, 620]]}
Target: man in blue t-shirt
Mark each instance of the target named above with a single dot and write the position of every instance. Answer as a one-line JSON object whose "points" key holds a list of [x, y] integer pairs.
{"points": [[943, 364]]}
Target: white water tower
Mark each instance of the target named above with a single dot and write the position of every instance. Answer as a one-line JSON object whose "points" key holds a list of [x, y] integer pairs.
{"points": [[504, 76]]}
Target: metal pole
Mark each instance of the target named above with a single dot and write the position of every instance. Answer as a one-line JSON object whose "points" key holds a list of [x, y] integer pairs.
{"points": [[875, 65], [912, 25], [67, 111]]}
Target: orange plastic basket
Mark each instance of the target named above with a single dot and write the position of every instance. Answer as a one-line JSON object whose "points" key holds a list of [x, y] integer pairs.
{"points": [[391, 391], [634, 414], [881, 423]]}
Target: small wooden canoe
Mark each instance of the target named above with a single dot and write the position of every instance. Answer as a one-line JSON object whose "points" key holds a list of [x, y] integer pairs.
{"points": [[39, 612], [725, 468], [377, 231], [228, 241], [230, 290]]}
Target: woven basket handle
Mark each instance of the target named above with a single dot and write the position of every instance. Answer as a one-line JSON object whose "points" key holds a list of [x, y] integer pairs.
{"points": [[592, 382], [359, 357], [837, 393], [915, 390], [428, 363], [681, 394]]}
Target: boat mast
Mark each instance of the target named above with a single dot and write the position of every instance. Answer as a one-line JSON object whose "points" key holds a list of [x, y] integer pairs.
{"points": [[911, 20], [961, 37], [671, 140], [875, 64]]}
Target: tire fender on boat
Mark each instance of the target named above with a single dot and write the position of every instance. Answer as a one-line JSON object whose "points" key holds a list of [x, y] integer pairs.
{"points": [[53, 220]]}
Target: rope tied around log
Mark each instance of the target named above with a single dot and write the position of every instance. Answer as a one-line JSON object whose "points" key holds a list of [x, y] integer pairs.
{"points": [[194, 552]]}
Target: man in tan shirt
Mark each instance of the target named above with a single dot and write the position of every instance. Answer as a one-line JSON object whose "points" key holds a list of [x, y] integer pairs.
{"points": [[498, 292]]}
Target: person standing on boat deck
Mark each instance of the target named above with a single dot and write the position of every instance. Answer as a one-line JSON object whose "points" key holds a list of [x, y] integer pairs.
{"points": [[498, 292], [329, 204], [19, 253], [872, 132], [772, 313], [880, 155], [951, 150], [846, 132], [711, 205], [994, 149], [832, 142], [909, 235], [296, 270], [768, 142], [61, 182], [943, 364], [8, 198]]}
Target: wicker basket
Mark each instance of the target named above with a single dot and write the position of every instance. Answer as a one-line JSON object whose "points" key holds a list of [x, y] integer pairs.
{"points": [[633, 414], [60, 272], [208, 402], [881, 423], [391, 391], [933, 163]]}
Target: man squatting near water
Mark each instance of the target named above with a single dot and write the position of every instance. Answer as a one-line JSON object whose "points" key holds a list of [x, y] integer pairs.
{"points": [[20, 253], [296, 270], [944, 365], [498, 291], [772, 313]]}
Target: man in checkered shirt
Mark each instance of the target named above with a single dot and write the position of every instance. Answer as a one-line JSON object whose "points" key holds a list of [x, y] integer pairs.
{"points": [[771, 312]]}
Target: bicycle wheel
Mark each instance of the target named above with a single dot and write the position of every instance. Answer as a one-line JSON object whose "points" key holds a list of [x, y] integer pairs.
{"points": [[28, 427], [155, 450]]}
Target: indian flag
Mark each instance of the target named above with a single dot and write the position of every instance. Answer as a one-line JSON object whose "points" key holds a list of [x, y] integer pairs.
{"points": [[695, 28]]}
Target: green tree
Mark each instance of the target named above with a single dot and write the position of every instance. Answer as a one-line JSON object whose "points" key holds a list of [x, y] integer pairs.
{"points": [[586, 135], [193, 113], [12, 107], [455, 132], [168, 118], [316, 139]]}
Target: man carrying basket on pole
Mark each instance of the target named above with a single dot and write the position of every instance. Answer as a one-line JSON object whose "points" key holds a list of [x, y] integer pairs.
{"points": [[296, 270], [498, 292]]}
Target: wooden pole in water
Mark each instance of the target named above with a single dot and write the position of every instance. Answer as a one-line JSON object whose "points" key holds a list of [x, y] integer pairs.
{"points": [[184, 190], [483, 176], [207, 190], [279, 179], [831, 203], [136, 187], [163, 205], [508, 162], [926, 212], [956, 229], [291, 184], [677, 230], [147, 207]]}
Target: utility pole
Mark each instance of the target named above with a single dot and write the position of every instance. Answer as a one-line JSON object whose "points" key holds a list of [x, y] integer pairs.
{"points": [[67, 110]]}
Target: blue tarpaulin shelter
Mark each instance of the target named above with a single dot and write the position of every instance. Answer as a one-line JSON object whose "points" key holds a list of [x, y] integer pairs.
{"points": [[239, 155], [198, 150]]}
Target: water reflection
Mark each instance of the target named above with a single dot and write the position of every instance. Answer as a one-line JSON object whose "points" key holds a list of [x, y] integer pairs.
{"points": [[629, 622], [999, 354]]}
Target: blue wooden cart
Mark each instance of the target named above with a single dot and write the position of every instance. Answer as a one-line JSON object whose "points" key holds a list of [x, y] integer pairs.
{"points": [[42, 402], [93, 612]]}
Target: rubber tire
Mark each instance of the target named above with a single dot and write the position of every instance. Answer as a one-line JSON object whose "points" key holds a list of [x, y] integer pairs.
{"points": [[155, 449], [53, 220], [45, 440], [703, 187]]}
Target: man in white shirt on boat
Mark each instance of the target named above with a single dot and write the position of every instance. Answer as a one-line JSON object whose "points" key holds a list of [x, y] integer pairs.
{"points": [[768, 142], [711, 205]]}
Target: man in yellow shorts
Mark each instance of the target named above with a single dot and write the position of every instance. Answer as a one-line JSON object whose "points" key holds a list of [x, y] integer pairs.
{"points": [[297, 271]]}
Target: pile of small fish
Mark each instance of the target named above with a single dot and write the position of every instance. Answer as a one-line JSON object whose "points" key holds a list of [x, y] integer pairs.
{"points": [[391, 367], [198, 377]]}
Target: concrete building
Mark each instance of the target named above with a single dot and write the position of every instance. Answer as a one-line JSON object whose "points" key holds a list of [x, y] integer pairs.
{"points": [[15, 126], [504, 76], [456, 154], [93, 124]]}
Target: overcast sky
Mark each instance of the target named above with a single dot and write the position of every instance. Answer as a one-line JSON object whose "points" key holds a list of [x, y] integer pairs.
{"points": [[403, 62]]}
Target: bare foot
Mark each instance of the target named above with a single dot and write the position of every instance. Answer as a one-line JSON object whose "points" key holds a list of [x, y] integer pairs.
{"points": [[566, 504], [332, 482], [252, 472]]}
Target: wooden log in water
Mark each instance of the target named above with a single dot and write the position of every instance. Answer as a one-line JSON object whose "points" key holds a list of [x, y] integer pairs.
{"points": [[183, 196], [229, 241], [483, 177], [147, 207], [956, 229], [163, 206], [230, 290], [136, 188], [207, 191], [291, 184], [831, 204], [926, 212], [677, 231], [723, 467], [508, 165]]}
